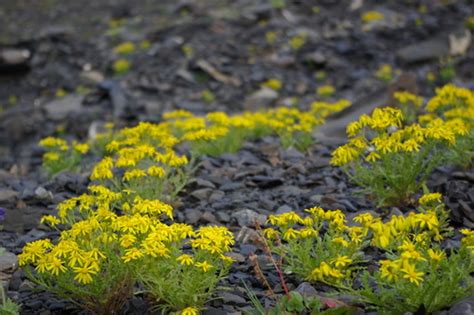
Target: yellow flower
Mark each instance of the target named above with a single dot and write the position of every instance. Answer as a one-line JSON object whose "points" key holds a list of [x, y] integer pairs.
{"points": [[55, 266], [103, 169], [204, 266], [121, 66], [428, 220], [84, 273], [82, 148], [51, 220], [156, 171], [127, 240], [341, 261], [133, 174], [430, 198], [190, 311], [372, 157], [389, 270], [51, 156], [436, 255], [125, 48], [343, 155], [273, 84], [132, 254], [411, 274], [324, 273], [406, 98], [341, 241], [370, 16], [290, 234], [185, 260], [270, 233], [325, 90]]}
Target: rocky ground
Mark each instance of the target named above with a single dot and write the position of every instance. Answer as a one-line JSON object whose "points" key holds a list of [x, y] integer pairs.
{"points": [[56, 78]]}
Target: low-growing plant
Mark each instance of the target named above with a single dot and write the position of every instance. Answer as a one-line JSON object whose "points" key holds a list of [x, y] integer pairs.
{"points": [[371, 16], [176, 279], [469, 23], [390, 160], [312, 254], [110, 237], [60, 156], [297, 42], [325, 90], [455, 104], [207, 96], [447, 71], [121, 66], [125, 48], [270, 37], [296, 303], [410, 104], [273, 84], [418, 280], [384, 73], [417, 275]]}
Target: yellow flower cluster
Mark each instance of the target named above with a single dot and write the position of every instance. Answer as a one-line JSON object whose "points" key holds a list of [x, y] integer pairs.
{"points": [[371, 16], [102, 244], [407, 98], [413, 237], [60, 155], [451, 102], [409, 262], [392, 137]]}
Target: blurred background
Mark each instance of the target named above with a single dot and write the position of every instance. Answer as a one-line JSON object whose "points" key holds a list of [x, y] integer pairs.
{"points": [[68, 66]]}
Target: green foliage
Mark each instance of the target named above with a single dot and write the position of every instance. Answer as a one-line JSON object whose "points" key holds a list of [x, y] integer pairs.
{"points": [[295, 303], [385, 73], [394, 178], [278, 4], [207, 96], [61, 156], [444, 283], [173, 285], [327, 257]]}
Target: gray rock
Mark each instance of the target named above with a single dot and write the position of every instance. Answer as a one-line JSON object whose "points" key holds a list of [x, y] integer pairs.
{"points": [[31, 236], [260, 99], [232, 298], [8, 195], [204, 183], [247, 249], [464, 307], [202, 194], [42, 194], [459, 42], [8, 262], [192, 215], [315, 57], [431, 49], [305, 289], [283, 209], [14, 56], [266, 181], [237, 257], [61, 108], [247, 235], [207, 216], [247, 217], [223, 216], [216, 196], [91, 77]]}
